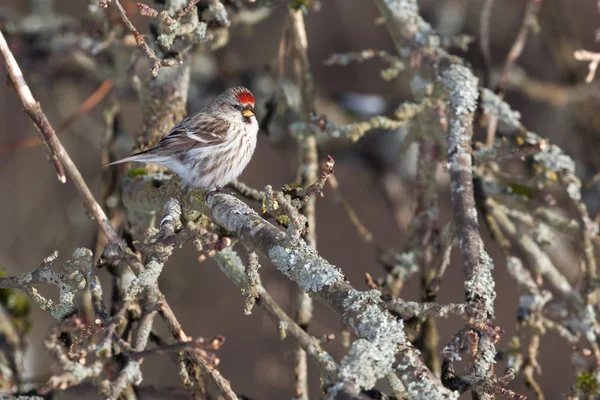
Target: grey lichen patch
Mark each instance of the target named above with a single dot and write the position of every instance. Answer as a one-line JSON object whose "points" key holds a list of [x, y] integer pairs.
{"points": [[461, 86], [417, 387], [200, 34], [486, 357], [588, 323], [81, 372], [69, 281], [66, 305], [408, 8], [555, 160], [451, 351], [481, 286], [508, 119], [146, 279], [405, 266], [574, 189], [407, 13], [543, 235], [304, 266], [364, 364], [131, 373], [231, 264], [216, 11], [372, 356]]}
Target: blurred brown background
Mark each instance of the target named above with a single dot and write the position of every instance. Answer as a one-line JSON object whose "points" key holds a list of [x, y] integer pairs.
{"points": [[39, 215]]}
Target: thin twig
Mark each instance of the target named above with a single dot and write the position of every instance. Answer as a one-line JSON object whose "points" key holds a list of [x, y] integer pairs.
{"points": [[362, 230], [88, 104], [169, 317], [157, 63], [484, 32], [308, 169], [34, 110], [319, 184], [594, 60], [514, 53], [32, 107], [192, 345]]}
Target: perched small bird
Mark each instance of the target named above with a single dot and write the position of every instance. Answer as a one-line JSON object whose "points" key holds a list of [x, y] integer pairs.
{"points": [[212, 147]]}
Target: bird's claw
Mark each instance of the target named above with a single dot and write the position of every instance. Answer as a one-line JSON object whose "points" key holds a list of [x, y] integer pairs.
{"points": [[220, 190]]}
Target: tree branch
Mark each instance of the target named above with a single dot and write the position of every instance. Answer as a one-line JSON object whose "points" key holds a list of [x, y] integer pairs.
{"points": [[58, 152]]}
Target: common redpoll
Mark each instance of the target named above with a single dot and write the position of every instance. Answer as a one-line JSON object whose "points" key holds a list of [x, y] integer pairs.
{"points": [[212, 147]]}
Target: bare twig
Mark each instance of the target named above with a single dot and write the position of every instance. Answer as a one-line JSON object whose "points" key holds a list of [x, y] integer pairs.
{"points": [[448, 239], [594, 60], [308, 167], [32, 107], [175, 327], [89, 103], [484, 32], [319, 184], [528, 23], [34, 110], [363, 231], [192, 345], [156, 62]]}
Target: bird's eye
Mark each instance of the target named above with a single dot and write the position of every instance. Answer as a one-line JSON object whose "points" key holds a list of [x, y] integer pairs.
{"points": [[238, 107]]}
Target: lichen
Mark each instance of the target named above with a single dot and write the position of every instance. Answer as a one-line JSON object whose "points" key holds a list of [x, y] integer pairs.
{"points": [[481, 286], [146, 279], [407, 14], [461, 85], [282, 329], [304, 266], [553, 159], [405, 266], [372, 356], [508, 120]]}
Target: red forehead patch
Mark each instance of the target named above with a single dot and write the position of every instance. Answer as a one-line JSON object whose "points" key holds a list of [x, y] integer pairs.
{"points": [[245, 97]]}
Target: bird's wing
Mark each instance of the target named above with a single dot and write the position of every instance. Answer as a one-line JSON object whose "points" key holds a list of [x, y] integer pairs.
{"points": [[197, 130]]}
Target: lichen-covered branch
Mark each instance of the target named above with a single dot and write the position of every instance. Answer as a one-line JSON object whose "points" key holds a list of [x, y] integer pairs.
{"points": [[381, 337], [477, 265], [437, 68], [231, 264]]}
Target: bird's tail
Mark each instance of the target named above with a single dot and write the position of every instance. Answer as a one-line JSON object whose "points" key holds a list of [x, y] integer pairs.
{"points": [[142, 156]]}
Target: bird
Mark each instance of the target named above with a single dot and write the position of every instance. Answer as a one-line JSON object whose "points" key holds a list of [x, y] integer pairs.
{"points": [[212, 147]]}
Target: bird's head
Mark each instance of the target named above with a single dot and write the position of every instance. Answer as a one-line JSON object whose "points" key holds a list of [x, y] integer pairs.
{"points": [[237, 104]]}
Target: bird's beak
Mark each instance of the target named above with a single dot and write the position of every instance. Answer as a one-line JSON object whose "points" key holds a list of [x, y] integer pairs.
{"points": [[248, 112]]}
